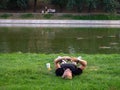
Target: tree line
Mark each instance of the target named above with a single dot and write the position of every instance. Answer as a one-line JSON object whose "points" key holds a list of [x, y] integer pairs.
{"points": [[79, 5]]}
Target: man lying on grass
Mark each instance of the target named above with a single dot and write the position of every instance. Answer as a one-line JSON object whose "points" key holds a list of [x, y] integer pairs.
{"points": [[67, 66]]}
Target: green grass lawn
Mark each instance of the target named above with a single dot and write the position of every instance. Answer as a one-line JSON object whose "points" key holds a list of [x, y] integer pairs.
{"points": [[60, 16], [20, 71]]}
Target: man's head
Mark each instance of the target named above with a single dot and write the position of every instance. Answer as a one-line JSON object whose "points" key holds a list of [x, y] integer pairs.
{"points": [[67, 74]]}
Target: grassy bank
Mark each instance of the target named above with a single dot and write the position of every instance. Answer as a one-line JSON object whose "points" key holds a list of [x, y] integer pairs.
{"points": [[60, 16], [28, 72]]}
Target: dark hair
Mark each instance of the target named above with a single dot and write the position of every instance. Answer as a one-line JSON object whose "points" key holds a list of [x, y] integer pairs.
{"points": [[59, 72], [78, 71]]}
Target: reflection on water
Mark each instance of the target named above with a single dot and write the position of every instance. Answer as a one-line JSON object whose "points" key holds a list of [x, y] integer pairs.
{"points": [[60, 40]]}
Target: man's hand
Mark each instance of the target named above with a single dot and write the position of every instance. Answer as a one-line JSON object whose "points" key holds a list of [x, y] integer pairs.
{"points": [[74, 59]]}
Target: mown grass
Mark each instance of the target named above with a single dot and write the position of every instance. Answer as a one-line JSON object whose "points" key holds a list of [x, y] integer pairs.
{"points": [[26, 16], [5, 16], [20, 71], [47, 16], [91, 17], [61, 16]]}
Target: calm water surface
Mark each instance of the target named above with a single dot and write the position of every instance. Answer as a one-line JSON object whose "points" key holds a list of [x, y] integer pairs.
{"points": [[59, 40]]}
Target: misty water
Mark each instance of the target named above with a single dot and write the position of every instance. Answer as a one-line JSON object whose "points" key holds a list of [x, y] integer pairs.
{"points": [[60, 40]]}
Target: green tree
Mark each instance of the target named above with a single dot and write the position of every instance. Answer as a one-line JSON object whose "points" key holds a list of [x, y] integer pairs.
{"points": [[91, 4], [35, 5], [22, 4], [71, 4], [12, 4], [3, 4], [80, 5], [110, 5], [61, 3], [17, 4]]}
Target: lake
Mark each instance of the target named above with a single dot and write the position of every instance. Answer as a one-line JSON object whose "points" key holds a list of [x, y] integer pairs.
{"points": [[60, 40]]}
